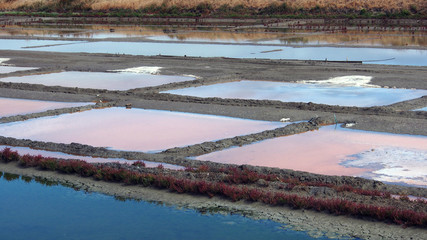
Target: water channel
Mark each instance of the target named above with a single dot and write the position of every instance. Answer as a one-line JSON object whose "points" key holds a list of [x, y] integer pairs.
{"points": [[411, 57], [31, 210]]}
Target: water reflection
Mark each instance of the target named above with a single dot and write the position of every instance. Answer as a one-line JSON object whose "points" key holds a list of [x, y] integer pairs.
{"points": [[371, 55], [330, 94], [98, 80], [397, 158], [58, 212], [12, 106], [133, 129], [389, 38], [61, 155]]}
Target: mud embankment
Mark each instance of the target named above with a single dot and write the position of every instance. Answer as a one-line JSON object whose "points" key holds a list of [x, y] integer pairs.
{"points": [[315, 223], [55, 112]]}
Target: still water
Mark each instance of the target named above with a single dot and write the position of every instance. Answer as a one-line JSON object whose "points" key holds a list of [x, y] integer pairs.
{"points": [[61, 155], [369, 55], [387, 38], [13, 106], [30, 210], [98, 80], [330, 94], [10, 69], [134, 129], [395, 158]]}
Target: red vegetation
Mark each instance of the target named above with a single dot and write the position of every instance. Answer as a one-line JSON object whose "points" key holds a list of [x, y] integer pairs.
{"points": [[234, 192]]}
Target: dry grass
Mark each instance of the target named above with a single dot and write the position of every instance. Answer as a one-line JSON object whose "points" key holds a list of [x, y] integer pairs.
{"points": [[296, 4]]}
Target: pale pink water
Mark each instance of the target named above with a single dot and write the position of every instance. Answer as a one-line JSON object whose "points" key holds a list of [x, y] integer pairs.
{"points": [[12, 106], [35, 152], [98, 80], [317, 151], [134, 129]]}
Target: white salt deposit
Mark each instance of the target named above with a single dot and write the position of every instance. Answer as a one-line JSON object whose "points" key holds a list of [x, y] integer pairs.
{"points": [[2, 60], [345, 81], [143, 70], [392, 164]]}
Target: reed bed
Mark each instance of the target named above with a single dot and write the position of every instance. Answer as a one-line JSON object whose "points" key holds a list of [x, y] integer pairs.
{"points": [[103, 5]]}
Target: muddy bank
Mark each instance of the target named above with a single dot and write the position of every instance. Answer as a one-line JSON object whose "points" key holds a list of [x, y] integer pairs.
{"points": [[317, 224], [85, 150], [250, 69], [208, 147]]}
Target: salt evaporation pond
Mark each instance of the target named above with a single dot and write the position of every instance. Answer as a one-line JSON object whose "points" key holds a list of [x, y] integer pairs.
{"points": [[61, 155], [391, 38], [380, 156], [5, 68], [98, 80], [58, 212], [133, 129], [13, 106], [371, 55], [10, 69], [331, 94]]}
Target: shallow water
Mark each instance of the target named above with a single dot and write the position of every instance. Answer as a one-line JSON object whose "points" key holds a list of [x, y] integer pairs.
{"points": [[134, 129], [369, 55], [58, 212], [295, 92], [10, 69], [13, 106], [391, 157], [421, 109], [61, 155], [389, 38], [98, 80]]}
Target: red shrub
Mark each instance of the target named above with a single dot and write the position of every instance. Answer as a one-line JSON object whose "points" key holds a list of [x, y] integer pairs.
{"points": [[7, 155], [139, 164]]}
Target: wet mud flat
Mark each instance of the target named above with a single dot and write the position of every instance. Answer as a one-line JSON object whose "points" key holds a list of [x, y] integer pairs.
{"points": [[396, 118]]}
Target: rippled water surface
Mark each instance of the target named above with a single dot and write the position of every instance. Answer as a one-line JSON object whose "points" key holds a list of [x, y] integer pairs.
{"points": [[34, 211]]}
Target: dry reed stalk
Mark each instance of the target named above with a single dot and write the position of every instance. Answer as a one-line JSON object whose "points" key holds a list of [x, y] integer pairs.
{"points": [[296, 4]]}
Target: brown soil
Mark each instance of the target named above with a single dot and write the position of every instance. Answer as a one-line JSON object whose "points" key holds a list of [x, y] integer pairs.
{"points": [[396, 118]]}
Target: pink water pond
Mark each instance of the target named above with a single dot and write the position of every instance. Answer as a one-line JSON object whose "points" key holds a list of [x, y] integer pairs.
{"points": [[338, 152], [98, 80], [35, 152], [133, 129], [13, 106]]}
